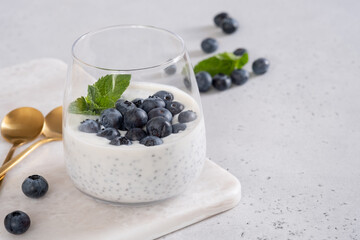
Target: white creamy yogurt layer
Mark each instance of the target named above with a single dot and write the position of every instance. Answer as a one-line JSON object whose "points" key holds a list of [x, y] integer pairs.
{"points": [[136, 173]]}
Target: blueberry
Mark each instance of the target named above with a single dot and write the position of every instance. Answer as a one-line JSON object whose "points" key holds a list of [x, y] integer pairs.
{"points": [[160, 112], [17, 222], [170, 70], [120, 141], [204, 81], [187, 83], [209, 45], [135, 134], [159, 127], [187, 116], [178, 127], [219, 18], [138, 101], [240, 51], [260, 66], [35, 186], [151, 141], [239, 76], [124, 105], [221, 82], [164, 95], [111, 118], [109, 133], [152, 102], [174, 107], [229, 25], [89, 126], [135, 118]]}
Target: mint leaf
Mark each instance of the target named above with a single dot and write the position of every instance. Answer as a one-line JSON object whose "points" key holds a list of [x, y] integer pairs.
{"points": [[222, 63], [101, 95]]}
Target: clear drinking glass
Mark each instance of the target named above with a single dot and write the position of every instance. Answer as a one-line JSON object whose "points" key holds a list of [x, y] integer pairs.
{"points": [[155, 59]]}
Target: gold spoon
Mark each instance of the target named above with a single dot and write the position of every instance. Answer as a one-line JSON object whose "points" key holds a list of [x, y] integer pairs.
{"points": [[52, 130], [20, 126]]}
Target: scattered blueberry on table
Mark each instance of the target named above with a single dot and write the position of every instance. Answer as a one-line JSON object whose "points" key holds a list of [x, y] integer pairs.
{"points": [[260, 66], [219, 18], [239, 76], [229, 25], [170, 70], [35, 186], [221, 82], [204, 81], [240, 51], [17, 222], [209, 45]]}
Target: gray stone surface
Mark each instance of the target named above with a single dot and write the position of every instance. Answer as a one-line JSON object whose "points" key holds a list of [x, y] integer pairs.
{"points": [[291, 136]]}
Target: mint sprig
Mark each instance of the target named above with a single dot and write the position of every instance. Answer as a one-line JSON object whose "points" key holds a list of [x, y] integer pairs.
{"points": [[101, 95], [222, 63]]}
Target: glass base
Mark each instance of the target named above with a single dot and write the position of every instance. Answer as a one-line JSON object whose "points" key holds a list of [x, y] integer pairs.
{"points": [[131, 204]]}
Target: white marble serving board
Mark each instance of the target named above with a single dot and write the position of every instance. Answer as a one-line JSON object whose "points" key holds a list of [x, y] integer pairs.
{"points": [[64, 212]]}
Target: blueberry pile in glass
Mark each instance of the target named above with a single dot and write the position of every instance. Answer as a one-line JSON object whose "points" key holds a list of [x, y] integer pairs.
{"points": [[145, 120]]}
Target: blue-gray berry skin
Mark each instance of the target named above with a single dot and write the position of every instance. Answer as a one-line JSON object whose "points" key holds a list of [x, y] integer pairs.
{"points": [[174, 107], [187, 83], [159, 127], [260, 66], [164, 95], [89, 126], [229, 25], [120, 141], [135, 134], [124, 105], [136, 118], [111, 118], [176, 128], [221, 82], [219, 18], [160, 112], [187, 116], [35, 186], [170, 70], [204, 81], [109, 133], [209, 45], [17, 222], [151, 103], [151, 141], [239, 76], [137, 101], [240, 51]]}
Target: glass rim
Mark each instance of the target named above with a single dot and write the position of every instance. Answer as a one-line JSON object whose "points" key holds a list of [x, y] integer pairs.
{"points": [[130, 26]]}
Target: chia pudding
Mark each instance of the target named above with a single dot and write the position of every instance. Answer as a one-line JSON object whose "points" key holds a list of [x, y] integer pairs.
{"points": [[136, 173]]}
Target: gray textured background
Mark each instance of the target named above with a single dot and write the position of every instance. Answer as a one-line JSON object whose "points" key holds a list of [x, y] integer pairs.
{"points": [[291, 136]]}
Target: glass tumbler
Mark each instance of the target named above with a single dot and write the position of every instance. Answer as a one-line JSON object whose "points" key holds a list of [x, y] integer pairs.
{"points": [[133, 124]]}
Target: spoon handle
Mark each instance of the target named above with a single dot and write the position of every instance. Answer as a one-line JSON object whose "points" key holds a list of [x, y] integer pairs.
{"points": [[10, 164], [9, 156]]}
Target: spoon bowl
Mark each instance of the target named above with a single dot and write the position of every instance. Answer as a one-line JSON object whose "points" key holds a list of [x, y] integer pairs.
{"points": [[20, 126], [52, 130]]}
